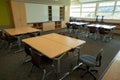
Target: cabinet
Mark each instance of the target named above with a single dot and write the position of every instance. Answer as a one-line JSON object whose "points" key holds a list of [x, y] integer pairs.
{"points": [[44, 26], [61, 13], [38, 25], [117, 29], [57, 24], [56, 13], [48, 26], [50, 13], [57, 16], [18, 13]]}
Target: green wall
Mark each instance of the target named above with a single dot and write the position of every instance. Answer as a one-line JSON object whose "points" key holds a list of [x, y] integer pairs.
{"points": [[4, 13]]}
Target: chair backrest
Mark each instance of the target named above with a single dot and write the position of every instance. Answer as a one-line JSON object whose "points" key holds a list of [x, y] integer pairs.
{"points": [[99, 58], [38, 33], [102, 30], [1, 34], [92, 29], [7, 37], [68, 25], [27, 49], [74, 26], [10, 38], [38, 59]]}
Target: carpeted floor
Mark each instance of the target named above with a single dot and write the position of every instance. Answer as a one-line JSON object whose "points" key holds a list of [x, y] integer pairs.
{"points": [[12, 65]]}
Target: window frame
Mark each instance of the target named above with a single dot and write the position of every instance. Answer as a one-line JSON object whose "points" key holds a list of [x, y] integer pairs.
{"points": [[113, 12]]}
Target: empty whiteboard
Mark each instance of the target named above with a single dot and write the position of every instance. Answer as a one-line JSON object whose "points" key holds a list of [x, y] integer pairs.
{"points": [[36, 12], [55, 13]]}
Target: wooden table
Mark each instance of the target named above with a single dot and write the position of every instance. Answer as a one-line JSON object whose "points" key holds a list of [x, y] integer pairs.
{"points": [[53, 45], [47, 47], [110, 28], [65, 40], [79, 23], [102, 25], [18, 32], [113, 72], [52, 42]]}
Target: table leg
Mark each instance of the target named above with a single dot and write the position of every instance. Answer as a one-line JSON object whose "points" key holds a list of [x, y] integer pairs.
{"points": [[19, 43]]}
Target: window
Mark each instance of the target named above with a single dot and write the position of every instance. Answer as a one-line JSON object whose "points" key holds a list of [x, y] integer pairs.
{"points": [[88, 10], [106, 9], [117, 11], [75, 11]]}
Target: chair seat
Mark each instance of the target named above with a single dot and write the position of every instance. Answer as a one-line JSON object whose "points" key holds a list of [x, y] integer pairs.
{"points": [[88, 60]]}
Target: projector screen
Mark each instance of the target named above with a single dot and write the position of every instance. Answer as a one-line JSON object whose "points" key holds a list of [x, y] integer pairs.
{"points": [[36, 12]]}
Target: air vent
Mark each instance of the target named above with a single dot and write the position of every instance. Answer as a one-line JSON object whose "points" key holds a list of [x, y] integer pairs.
{"points": [[55, 0]]}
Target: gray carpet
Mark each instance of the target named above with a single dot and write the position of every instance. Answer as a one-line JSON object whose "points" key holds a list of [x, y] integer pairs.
{"points": [[13, 68]]}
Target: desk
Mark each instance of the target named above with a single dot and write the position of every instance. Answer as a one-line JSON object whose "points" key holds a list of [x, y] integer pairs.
{"points": [[113, 73], [102, 25], [79, 23], [21, 30], [47, 47], [65, 40], [53, 45], [81, 26], [18, 32], [107, 27]]}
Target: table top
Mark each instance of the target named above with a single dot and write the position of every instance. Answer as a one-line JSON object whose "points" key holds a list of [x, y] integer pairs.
{"points": [[50, 47], [102, 25], [65, 40], [47, 47], [113, 73], [20, 30], [79, 23]]}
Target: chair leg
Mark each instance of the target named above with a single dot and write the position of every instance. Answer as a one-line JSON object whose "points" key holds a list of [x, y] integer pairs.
{"points": [[94, 70], [44, 73], [92, 75], [10, 46], [84, 74], [30, 71], [88, 71], [27, 59], [32, 68], [2, 42]]}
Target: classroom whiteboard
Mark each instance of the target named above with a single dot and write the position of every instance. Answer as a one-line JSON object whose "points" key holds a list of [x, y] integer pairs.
{"points": [[36, 12], [55, 13]]}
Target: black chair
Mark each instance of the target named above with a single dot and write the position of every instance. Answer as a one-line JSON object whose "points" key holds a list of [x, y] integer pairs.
{"points": [[42, 62], [90, 61], [104, 33], [92, 30], [1, 38], [69, 27], [12, 40], [31, 34], [34, 34], [74, 28]]}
